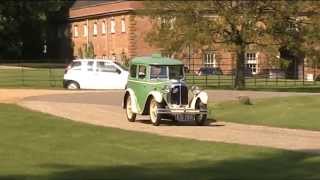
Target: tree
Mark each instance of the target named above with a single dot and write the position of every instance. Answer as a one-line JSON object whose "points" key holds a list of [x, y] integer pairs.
{"points": [[235, 25], [87, 51], [25, 25]]}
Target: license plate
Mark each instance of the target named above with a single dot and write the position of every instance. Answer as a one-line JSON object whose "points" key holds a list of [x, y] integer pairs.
{"points": [[184, 117]]}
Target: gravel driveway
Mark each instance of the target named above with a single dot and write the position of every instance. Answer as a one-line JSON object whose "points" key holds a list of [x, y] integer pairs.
{"points": [[104, 108]]}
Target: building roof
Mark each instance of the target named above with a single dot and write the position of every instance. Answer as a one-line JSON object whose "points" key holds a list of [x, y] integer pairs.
{"points": [[155, 59], [87, 3], [98, 8]]}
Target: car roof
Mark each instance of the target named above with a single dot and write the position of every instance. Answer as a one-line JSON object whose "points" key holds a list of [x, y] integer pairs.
{"points": [[155, 59]]}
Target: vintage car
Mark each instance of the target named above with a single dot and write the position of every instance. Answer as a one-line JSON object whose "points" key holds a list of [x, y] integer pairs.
{"points": [[156, 87]]}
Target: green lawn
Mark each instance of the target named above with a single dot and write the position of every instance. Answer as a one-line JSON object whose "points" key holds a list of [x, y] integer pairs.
{"points": [[44, 75], [226, 81], [33, 78], [291, 112], [38, 146]]}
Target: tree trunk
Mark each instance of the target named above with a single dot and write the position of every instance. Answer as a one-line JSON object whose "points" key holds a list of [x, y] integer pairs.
{"points": [[240, 69]]}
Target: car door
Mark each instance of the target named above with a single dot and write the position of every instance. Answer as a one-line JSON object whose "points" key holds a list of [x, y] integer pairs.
{"points": [[90, 80], [142, 86], [109, 76]]}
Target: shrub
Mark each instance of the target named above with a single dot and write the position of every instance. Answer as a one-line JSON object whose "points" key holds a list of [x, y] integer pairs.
{"points": [[245, 100]]}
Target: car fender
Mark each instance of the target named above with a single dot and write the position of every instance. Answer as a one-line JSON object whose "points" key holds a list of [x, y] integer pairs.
{"points": [[156, 95], [203, 96], [134, 105]]}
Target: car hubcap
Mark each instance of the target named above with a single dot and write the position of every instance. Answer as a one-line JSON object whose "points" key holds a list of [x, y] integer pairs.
{"points": [[153, 111], [129, 109], [72, 86]]}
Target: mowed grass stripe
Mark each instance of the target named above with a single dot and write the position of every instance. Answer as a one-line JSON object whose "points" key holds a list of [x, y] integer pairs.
{"points": [[301, 112], [40, 146]]}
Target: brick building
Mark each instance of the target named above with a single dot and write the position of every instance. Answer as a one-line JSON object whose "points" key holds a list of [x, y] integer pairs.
{"points": [[117, 33], [112, 28]]}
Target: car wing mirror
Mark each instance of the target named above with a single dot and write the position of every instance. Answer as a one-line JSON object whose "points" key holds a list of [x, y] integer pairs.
{"points": [[118, 71]]}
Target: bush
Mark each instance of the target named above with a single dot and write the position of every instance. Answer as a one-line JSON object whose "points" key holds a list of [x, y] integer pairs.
{"points": [[245, 100]]}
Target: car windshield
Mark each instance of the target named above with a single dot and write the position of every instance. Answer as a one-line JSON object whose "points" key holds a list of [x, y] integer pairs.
{"points": [[166, 72], [121, 66]]}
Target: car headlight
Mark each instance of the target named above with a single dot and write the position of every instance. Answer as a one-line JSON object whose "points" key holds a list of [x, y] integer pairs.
{"points": [[195, 90], [166, 89]]}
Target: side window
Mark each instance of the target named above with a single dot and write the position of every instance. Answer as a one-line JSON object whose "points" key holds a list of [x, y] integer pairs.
{"points": [[105, 67], [76, 65], [133, 71], [90, 66], [142, 72]]}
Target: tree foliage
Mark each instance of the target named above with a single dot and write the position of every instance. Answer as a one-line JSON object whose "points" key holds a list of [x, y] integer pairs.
{"points": [[235, 25], [24, 26]]}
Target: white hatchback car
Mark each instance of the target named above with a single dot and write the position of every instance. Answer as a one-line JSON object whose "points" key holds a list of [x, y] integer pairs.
{"points": [[95, 74]]}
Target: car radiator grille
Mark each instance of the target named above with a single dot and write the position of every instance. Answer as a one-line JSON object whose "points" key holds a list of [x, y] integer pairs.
{"points": [[178, 95]]}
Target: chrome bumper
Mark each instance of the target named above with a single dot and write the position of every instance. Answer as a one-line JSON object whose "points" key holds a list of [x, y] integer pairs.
{"points": [[181, 111]]}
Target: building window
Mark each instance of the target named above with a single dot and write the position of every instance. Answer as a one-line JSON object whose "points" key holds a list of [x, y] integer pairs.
{"points": [[76, 32], [95, 29], [251, 62], [103, 27], [85, 30], [210, 59], [123, 25], [113, 26]]}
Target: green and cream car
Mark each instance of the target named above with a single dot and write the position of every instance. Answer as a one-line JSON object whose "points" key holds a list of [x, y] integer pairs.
{"points": [[156, 87]]}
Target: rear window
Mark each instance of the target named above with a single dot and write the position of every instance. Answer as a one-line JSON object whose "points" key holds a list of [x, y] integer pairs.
{"points": [[75, 65], [133, 71]]}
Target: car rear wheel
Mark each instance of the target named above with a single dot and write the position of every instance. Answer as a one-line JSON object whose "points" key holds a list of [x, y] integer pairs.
{"points": [[73, 85], [201, 119], [154, 116], [130, 115]]}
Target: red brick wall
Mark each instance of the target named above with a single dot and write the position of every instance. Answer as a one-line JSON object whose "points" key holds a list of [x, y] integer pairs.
{"points": [[131, 42], [104, 44], [142, 26]]}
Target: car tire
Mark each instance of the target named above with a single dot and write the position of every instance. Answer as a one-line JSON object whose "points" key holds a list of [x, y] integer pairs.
{"points": [[72, 85], [154, 116], [130, 115], [200, 119]]}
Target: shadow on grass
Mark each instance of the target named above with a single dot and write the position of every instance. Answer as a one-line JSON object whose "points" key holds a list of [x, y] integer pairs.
{"points": [[283, 165]]}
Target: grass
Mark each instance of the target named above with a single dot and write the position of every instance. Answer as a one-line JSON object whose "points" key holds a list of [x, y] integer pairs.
{"points": [[301, 112], [39, 146], [255, 84], [44, 75], [31, 78]]}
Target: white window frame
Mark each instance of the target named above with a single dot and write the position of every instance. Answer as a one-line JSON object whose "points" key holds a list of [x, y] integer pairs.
{"points": [[113, 25], [103, 27], [210, 60], [76, 31], [85, 30], [123, 24], [95, 28], [251, 61]]}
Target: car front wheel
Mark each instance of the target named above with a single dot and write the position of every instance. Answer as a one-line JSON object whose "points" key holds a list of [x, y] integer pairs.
{"points": [[130, 115], [201, 119], [154, 116]]}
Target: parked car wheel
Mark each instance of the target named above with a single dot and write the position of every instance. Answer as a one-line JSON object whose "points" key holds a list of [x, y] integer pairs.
{"points": [[130, 115], [154, 116], [73, 85], [200, 119]]}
